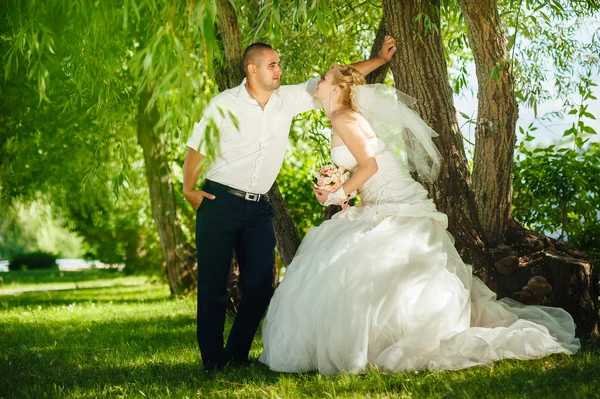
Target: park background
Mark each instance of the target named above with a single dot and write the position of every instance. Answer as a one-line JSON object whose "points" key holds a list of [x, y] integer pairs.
{"points": [[98, 99]]}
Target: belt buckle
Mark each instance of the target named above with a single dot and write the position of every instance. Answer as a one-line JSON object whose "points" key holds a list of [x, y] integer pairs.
{"points": [[252, 197]]}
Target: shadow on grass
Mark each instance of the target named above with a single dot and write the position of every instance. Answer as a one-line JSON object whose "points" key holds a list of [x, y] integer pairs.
{"points": [[157, 353], [117, 294], [49, 276], [152, 350], [159, 356]]}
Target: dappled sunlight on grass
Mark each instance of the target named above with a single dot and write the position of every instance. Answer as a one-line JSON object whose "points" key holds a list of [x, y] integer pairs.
{"points": [[67, 300], [139, 341], [54, 279]]}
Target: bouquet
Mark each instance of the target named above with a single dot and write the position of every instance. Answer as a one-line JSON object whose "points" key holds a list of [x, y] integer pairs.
{"points": [[330, 178]]}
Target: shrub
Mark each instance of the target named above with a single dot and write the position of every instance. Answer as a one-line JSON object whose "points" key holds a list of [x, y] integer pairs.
{"points": [[33, 260]]}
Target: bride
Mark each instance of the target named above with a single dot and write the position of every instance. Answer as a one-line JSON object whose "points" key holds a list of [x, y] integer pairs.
{"points": [[380, 285]]}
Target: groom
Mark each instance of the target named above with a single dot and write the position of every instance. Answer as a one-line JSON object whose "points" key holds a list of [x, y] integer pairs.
{"points": [[233, 210]]}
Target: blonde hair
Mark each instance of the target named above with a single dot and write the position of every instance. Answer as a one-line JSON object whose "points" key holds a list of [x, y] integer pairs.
{"points": [[348, 77]]}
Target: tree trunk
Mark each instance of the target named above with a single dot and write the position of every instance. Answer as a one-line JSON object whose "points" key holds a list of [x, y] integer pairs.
{"points": [[573, 286], [420, 70], [288, 239], [378, 75], [529, 257], [522, 258], [496, 118], [230, 74], [180, 259]]}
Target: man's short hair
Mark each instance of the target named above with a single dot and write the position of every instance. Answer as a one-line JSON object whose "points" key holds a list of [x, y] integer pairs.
{"points": [[251, 52]]}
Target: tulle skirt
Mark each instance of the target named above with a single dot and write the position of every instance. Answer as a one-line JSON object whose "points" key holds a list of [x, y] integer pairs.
{"points": [[383, 286]]}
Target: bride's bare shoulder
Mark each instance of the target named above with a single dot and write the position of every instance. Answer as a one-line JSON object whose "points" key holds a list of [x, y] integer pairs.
{"points": [[347, 117], [352, 121]]}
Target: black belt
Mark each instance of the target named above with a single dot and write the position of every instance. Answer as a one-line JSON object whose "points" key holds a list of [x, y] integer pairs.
{"points": [[208, 184]]}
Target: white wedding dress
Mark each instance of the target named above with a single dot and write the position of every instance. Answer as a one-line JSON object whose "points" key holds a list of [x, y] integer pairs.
{"points": [[381, 285]]}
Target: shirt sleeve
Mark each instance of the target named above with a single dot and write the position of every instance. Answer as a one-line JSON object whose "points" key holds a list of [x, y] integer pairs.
{"points": [[211, 116], [303, 96]]}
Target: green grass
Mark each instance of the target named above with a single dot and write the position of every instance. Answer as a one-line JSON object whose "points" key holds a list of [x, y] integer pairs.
{"points": [[54, 279], [137, 341]]}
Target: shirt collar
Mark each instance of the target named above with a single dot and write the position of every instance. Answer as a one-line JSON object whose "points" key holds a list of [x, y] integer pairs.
{"points": [[241, 90]]}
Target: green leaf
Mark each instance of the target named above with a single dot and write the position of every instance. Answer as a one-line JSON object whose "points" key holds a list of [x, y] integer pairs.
{"points": [[588, 129], [235, 120]]}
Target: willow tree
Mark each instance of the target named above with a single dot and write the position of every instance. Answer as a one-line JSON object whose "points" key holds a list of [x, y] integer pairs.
{"points": [[136, 70], [96, 78]]}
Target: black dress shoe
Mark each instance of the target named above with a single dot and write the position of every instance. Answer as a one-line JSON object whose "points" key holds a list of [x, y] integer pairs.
{"points": [[239, 362], [212, 368]]}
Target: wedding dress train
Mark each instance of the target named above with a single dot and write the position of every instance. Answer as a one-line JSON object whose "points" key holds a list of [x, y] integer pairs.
{"points": [[381, 285]]}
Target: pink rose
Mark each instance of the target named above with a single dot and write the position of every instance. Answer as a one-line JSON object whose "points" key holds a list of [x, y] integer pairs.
{"points": [[320, 181]]}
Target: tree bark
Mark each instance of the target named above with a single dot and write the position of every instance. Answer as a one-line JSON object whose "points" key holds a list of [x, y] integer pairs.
{"points": [[521, 258], [230, 74], [378, 75], [420, 70], [288, 239], [179, 257], [573, 286], [532, 255], [497, 112]]}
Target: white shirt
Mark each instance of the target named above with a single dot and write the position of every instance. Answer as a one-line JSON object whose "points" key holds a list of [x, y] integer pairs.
{"points": [[252, 156]]}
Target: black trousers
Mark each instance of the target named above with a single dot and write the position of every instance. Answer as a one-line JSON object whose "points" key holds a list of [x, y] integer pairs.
{"points": [[222, 225]]}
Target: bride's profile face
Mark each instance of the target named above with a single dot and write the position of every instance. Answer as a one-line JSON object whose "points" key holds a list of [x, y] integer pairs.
{"points": [[325, 86]]}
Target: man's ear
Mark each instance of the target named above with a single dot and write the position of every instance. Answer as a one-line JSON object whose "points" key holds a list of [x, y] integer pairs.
{"points": [[251, 70]]}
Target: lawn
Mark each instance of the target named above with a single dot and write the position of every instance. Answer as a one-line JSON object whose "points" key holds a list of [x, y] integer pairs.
{"points": [[54, 279], [136, 341]]}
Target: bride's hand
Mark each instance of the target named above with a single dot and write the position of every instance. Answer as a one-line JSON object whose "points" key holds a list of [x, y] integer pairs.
{"points": [[321, 195], [388, 48]]}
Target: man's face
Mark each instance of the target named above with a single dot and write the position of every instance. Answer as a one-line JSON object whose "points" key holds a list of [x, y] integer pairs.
{"points": [[267, 70]]}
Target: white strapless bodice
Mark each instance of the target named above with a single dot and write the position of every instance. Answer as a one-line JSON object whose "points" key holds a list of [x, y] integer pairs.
{"points": [[391, 186], [391, 183]]}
